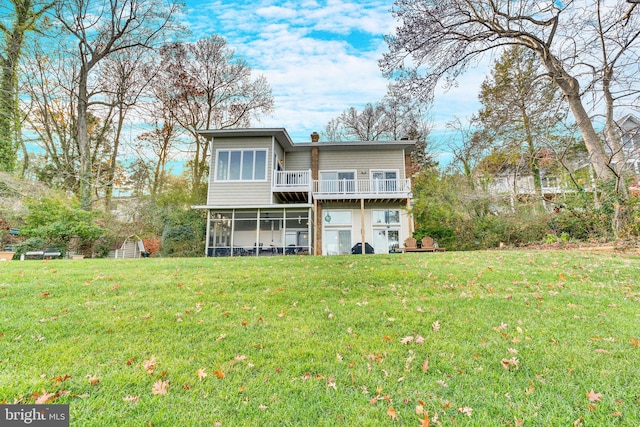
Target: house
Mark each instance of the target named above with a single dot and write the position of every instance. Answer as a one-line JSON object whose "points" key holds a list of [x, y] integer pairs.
{"points": [[268, 195], [629, 130]]}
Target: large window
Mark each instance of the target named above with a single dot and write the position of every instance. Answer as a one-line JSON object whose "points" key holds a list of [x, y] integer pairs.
{"points": [[241, 165]]}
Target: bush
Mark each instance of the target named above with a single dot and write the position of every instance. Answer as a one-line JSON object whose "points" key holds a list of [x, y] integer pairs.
{"points": [[58, 221], [31, 244], [183, 234]]}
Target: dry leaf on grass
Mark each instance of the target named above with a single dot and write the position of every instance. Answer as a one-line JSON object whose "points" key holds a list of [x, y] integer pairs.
{"points": [[150, 365], [593, 396], [392, 413], [160, 387]]}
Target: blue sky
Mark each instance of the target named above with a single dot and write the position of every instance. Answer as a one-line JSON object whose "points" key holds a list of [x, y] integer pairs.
{"points": [[319, 56]]}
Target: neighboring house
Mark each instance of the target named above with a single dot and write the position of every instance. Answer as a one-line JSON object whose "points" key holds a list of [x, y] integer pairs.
{"points": [[516, 183], [268, 195], [629, 129]]}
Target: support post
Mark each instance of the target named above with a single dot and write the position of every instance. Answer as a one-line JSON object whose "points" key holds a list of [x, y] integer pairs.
{"points": [[362, 225]]}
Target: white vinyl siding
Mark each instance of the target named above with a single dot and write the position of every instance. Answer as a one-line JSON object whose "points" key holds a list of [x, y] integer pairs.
{"points": [[238, 192], [363, 161], [298, 161]]}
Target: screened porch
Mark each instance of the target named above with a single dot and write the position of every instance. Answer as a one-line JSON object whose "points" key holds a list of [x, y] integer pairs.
{"points": [[259, 232]]}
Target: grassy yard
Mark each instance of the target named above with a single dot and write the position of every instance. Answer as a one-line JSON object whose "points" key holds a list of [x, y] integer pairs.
{"points": [[540, 338]]}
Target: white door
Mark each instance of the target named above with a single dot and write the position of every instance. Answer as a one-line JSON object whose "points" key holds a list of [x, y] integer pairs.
{"points": [[385, 240], [337, 242]]}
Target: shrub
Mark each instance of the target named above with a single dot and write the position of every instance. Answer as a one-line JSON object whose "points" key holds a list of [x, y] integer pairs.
{"points": [[57, 221]]}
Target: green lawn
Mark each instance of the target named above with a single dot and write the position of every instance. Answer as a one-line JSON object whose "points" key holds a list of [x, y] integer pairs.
{"points": [[471, 338]]}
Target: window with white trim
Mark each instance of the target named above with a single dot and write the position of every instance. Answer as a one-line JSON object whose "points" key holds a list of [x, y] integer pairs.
{"points": [[241, 165]]}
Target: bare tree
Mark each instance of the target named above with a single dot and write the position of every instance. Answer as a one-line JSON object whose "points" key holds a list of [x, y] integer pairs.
{"points": [[156, 147], [448, 37], [101, 29], [123, 79], [618, 34], [207, 87], [395, 117], [50, 109]]}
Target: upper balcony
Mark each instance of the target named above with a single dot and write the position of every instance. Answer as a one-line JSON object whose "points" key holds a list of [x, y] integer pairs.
{"points": [[297, 186]]}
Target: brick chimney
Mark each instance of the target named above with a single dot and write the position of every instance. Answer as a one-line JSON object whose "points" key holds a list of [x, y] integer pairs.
{"points": [[315, 137]]}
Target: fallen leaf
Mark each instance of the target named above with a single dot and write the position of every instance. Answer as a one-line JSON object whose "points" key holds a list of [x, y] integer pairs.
{"points": [[435, 326], [150, 365], [201, 373], [466, 410], [634, 342], [407, 340], [502, 327], [425, 421], [219, 374], [593, 396], [331, 382], [160, 387], [131, 398], [392, 413], [508, 363], [45, 397], [93, 380], [60, 378], [425, 365], [263, 407]]}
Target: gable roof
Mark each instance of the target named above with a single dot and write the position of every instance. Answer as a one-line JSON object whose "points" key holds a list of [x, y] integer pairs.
{"points": [[283, 138]]}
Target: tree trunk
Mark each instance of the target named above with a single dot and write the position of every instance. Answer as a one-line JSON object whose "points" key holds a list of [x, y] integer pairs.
{"points": [[82, 139], [571, 89], [111, 172], [9, 112]]}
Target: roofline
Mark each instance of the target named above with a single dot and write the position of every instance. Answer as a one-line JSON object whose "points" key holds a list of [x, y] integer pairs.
{"points": [[282, 136]]}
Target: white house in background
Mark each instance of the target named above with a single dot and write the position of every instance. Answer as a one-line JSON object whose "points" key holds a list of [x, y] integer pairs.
{"points": [[268, 195], [629, 128], [516, 182]]}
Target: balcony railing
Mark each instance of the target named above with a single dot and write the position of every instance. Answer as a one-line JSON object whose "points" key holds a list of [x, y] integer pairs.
{"points": [[291, 181]]}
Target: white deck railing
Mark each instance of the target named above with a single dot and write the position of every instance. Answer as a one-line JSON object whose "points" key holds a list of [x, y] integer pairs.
{"points": [[335, 189], [361, 187], [292, 180]]}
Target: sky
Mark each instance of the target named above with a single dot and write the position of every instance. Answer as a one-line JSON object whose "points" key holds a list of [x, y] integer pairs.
{"points": [[320, 58]]}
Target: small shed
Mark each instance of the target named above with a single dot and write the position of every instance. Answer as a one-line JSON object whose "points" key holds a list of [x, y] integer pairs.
{"points": [[132, 247]]}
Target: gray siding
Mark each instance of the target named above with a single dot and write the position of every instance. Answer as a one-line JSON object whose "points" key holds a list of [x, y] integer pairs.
{"points": [[361, 160], [235, 193], [298, 161]]}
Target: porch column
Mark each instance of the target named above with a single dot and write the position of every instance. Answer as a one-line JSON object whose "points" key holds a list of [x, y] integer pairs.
{"points": [[362, 225], [410, 219], [317, 228], [207, 234]]}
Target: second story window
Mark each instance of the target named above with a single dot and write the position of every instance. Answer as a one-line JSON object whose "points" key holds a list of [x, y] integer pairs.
{"points": [[241, 165]]}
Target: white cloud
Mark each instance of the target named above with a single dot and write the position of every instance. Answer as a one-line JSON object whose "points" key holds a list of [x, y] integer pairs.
{"points": [[320, 57]]}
